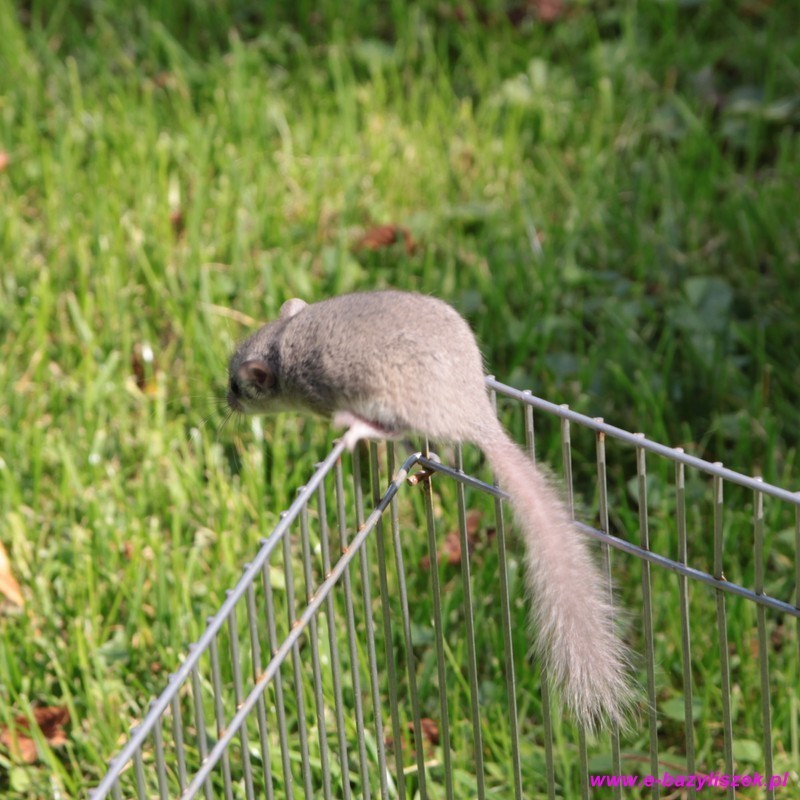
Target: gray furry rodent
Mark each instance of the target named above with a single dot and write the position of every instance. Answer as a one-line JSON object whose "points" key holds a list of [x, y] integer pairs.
{"points": [[386, 363]]}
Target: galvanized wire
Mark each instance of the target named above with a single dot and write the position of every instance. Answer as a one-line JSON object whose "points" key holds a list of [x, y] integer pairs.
{"points": [[602, 499], [469, 618], [686, 637], [547, 713], [763, 660], [438, 624], [647, 614], [411, 665], [722, 628], [258, 669]]}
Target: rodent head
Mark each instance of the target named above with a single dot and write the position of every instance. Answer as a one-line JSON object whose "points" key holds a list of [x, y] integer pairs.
{"points": [[253, 386], [249, 386]]}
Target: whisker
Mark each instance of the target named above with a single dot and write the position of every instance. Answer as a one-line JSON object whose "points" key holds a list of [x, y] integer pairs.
{"points": [[205, 420], [215, 400], [228, 415]]}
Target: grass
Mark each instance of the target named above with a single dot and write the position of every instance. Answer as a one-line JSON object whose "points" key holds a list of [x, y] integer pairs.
{"points": [[610, 199]]}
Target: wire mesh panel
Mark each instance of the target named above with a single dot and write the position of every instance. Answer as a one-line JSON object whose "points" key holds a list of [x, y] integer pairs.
{"points": [[378, 645]]}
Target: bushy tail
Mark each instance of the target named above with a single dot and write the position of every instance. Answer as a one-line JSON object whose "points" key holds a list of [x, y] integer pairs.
{"points": [[571, 606]]}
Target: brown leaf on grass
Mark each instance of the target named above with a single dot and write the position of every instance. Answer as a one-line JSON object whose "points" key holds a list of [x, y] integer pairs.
{"points": [[430, 734], [5, 160], [144, 368], [755, 8], [18, 742], [382, 236], [450, 550], [429, 729], [778, 637], [8, 583], [164, 80], [177, 222], [547, 11], [474, 517]]}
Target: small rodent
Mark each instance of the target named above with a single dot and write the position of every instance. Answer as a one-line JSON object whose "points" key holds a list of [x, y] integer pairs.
{"points": [[386, 363]]}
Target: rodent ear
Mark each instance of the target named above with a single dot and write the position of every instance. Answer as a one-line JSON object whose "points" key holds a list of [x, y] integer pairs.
{"points": [[291, 307], [256, 372]]}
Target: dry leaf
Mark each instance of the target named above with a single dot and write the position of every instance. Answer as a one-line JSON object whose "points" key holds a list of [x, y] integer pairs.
{"points": [[451, 549], [164, 80], [756, 8], [177, 221], [449, 552], [384, 236], [778, 637], [8, 583], [473, 522], [22, 747], [144, 368], [429, 728], [548, 10]]}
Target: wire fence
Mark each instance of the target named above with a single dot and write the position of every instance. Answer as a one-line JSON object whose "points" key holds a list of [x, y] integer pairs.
{"points": [[343, 665]]}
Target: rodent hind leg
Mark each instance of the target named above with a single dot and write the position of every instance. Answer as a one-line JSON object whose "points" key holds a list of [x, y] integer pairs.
{"points": [[360, 428]]}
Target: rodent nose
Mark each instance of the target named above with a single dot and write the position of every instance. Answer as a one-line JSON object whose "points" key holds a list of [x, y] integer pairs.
{"points": [[256, 372]]}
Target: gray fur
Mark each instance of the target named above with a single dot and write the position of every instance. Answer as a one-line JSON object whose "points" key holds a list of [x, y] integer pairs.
{"points": [[390, 362]]}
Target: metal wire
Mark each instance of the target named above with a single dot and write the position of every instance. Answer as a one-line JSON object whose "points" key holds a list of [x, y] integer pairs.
{"points": [[438, 624], [602, 491], [722, 628], [263, 668], [686, 638], [469, 618], [647, 614]]}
